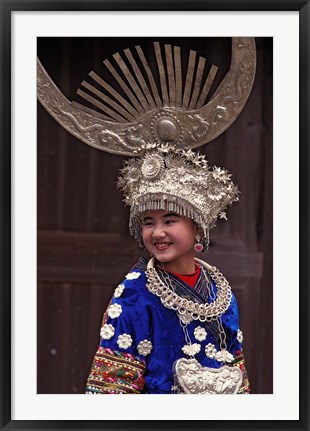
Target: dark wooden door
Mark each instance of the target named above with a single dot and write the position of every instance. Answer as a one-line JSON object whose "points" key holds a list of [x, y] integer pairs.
{"points": [[84, 248]]}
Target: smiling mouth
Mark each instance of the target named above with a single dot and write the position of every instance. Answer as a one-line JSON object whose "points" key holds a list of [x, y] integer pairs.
{"points": [[162, 245]]}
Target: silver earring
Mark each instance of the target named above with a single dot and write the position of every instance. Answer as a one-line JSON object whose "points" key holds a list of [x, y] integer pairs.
{"points": [[198, 247]]}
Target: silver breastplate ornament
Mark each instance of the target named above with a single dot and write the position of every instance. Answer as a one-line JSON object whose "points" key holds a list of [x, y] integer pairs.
{"points": [[193, 378]]}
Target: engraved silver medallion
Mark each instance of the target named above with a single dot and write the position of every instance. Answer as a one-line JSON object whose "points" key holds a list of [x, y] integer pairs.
{"points": [[193, 378]]}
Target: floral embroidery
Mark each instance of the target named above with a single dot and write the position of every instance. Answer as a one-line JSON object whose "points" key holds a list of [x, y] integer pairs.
{"points": [[191, 349], [114, 311], [124, 341], [144, 347], [210, 350], [239, 336], [115, 372], [224, 356], [107, 331], [239, 362], [119, 290], [200, 333], [133, 275]]}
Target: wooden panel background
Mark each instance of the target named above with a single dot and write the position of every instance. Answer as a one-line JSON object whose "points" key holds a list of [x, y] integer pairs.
{"points": [[84, 248]]}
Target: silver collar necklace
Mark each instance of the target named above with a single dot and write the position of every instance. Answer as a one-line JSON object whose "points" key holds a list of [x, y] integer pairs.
{"points": [[186, 308]]}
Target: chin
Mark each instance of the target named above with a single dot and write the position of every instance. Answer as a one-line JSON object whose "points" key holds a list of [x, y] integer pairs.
{"points": [[162, 258]]}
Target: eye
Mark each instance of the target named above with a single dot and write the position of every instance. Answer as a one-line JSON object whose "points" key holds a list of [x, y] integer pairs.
{"points": [[170, 221], [147, 223]]}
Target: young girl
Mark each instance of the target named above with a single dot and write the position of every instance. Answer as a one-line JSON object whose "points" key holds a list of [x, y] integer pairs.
{"points": [[172, 324]]}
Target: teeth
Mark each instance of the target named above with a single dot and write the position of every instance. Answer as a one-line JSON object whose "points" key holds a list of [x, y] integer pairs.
{"points": [[162, 244]]}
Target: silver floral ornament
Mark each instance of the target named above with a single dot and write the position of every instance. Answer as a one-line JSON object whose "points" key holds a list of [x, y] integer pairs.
{"points": [[144, 347], [224, 356], [185, 318], [152, 166], [133, 275], [191, 349], [221, 175], [239, 336], [114, 311], [124, 341], [119, 290], [107, 331], [210, 350], [200, 333]]}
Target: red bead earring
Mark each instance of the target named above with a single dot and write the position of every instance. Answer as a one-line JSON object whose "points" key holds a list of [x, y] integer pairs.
{"points": [[198, 247]]}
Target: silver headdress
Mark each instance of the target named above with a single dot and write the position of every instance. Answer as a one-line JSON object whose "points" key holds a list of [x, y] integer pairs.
{"points": [[161, 123], [179, 181], [143, 110]]}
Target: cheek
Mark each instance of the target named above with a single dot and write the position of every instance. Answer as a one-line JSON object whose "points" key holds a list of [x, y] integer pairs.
{"points": [[190, 237], [185, 238], [145, 234]]}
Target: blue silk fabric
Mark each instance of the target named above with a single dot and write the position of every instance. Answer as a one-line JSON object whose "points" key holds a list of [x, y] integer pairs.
{"points": [[145, 318]]}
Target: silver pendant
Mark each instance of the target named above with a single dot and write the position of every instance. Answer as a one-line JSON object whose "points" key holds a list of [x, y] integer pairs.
{"points": [[193, 378]]}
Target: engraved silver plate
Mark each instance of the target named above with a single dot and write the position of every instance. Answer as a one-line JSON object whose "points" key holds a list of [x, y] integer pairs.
{"points": [[182, 115], [193, 378]]}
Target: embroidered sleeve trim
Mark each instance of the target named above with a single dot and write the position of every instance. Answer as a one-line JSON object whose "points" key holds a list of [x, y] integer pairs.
{"points": [[240, 363], [115, 372]]}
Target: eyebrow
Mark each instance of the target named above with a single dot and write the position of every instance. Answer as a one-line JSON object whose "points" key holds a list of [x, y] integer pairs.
{"points": [[171, 214]]}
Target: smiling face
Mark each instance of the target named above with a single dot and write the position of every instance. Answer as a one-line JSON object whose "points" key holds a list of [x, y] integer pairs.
{"points": [[170, 238]]}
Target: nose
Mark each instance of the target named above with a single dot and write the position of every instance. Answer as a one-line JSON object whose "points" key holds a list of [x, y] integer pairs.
{"points": [[158, 232]]}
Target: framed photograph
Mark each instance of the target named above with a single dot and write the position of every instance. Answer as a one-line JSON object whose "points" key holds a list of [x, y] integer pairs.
{"points": [[69, 245]]}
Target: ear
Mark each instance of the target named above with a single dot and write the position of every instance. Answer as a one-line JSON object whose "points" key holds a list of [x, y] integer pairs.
{"points": [[195, 227], [198, 230]]}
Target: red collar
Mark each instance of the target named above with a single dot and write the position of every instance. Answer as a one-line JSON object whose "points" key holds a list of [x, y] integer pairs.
{"points": [[190, 279]]}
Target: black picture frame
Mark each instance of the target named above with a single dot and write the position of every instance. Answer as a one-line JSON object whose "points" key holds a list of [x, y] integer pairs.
{"points": [[7, 7]]}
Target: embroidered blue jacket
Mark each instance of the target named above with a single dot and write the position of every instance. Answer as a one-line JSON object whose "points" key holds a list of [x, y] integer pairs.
{"points": [[142, 339]]}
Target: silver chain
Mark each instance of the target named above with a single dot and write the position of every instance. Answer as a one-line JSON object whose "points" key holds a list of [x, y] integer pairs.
{"points": [[211, 294], [221, 334], [182, 324], [187, 308]]}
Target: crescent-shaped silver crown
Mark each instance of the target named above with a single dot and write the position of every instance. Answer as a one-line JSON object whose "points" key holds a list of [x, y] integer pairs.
{"points": [[146, 116]]}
